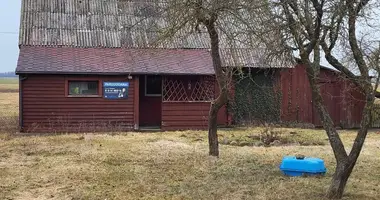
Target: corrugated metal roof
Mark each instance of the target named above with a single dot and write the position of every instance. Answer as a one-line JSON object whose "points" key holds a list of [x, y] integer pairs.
{"points": [[68, 60], [98, 23], [121, 24]]}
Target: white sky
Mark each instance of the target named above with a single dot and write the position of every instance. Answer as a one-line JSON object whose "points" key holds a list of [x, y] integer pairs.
{"points": [[9, 25]]}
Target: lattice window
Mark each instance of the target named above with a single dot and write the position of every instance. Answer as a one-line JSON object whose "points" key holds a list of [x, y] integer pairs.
{"points": [[181, 88], [174, 90], [204, 89]]}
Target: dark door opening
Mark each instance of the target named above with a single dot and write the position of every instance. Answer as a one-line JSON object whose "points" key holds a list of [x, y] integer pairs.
{"points": [[150, 101]]}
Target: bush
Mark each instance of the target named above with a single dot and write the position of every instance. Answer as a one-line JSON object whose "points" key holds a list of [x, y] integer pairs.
{"points": [[269, 135]]}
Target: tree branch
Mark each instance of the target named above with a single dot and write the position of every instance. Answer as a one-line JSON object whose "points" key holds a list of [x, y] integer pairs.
{"points": [[317, 29], [358, 55], [361, 5]]}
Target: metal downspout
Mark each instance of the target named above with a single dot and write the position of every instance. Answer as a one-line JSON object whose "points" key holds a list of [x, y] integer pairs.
{"points": [[20, 114]]}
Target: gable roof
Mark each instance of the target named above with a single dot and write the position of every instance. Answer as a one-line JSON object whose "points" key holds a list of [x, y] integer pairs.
{"points": [[68, 60], [101, 23], [115, 24]]}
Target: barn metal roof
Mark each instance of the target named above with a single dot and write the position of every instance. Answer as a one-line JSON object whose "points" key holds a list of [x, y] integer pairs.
{"points": [[120, 24], [102, 23], [67, 60]]}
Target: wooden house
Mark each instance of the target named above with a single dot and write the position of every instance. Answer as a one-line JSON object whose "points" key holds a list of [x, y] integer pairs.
{"points": [[88, 65]]}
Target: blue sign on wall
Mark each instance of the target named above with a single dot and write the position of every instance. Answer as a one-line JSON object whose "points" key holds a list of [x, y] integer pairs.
{"points": [[115, 90]]}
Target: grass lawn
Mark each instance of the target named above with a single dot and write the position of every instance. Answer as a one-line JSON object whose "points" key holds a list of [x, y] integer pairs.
{"points": [[8, 111], [8, 85], [12, 80], [9, 103], [169, 165]]}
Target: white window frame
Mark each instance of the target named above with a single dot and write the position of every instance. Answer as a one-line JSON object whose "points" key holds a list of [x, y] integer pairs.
{"points": [[99, 89]]}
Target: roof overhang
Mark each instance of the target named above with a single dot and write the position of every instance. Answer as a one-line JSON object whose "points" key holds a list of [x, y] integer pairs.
{"points": [[117, 61]]}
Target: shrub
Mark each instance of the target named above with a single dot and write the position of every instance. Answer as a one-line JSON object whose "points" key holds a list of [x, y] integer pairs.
{"points": [[269, 136]]}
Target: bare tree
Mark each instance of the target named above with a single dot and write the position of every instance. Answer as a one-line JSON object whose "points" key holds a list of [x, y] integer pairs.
{"points": [[227, 24], [214, 17], [313, 27]]}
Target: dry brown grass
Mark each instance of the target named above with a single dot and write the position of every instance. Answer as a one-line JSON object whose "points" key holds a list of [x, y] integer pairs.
{"points": [[172, 165], [5, 88], [8, 113], [167, 166], [8, 100]]}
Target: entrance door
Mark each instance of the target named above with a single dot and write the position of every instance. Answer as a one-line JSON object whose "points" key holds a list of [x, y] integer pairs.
{"points": [[150, 101]]}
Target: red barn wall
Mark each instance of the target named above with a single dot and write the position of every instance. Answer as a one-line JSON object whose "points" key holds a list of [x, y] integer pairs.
{"points": [[343, 100], [46, 108], [185, 115], [224, 118], [296, 104], [354, 102], [190, 115]]}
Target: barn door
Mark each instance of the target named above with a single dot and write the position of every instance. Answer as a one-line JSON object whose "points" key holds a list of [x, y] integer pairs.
{"points": [[150, 101]]}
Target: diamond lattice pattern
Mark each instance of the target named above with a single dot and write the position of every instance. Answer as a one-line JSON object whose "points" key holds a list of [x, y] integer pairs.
{"points": [[180, 88]]}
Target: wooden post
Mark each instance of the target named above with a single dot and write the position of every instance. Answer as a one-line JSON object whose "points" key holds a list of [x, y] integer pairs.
{"points": [[136, 102]]}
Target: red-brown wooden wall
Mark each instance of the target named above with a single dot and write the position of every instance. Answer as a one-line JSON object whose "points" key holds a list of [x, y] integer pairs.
{"points": [[190, 115], [185, 115], [343, 100], [46, 108]]}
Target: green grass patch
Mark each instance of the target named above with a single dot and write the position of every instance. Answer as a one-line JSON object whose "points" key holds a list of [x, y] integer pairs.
{"points": [[8, 80], [8, 85]]}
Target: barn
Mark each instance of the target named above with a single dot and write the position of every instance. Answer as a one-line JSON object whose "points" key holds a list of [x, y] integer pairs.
{"points": [[91, 66], [344, 100], [284, 96]]}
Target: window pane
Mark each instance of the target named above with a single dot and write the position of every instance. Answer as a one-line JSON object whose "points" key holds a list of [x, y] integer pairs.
{"points": [[83, 87], [153, 85]]}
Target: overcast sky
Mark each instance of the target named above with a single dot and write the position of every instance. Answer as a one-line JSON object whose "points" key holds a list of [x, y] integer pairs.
{"points": [[9, 24]]}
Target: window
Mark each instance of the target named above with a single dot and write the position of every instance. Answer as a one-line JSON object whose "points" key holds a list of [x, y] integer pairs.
{"points": [[188, 89], [83, 88], [153, 85]]}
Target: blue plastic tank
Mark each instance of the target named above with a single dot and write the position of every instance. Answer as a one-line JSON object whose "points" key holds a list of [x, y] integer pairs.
{"points": [[294, 166]]}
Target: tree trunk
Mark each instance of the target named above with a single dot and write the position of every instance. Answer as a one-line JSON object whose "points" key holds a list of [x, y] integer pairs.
{"points": [[339, 180], [213, 133], [213, 123], [328, 124], [213, 129], [221, 78], [345, 163]]}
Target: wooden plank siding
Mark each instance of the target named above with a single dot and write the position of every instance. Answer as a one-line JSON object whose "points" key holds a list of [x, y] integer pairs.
{"points": [[191, 115], [185, 115], [46, 108], [342, 98], [296, 95]]}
